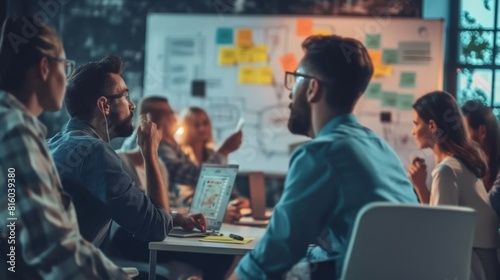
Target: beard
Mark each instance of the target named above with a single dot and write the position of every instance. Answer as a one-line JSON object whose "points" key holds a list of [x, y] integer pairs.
{"points": [[299, 122], [124, 128]]}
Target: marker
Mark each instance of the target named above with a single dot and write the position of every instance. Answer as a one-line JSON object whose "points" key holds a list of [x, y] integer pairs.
{"points": [[237, 237]]}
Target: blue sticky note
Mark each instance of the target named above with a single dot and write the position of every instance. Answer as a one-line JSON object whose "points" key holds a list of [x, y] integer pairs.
{"points": [[372, 41], [389, 99], [408, 80], [224, 36], [374, 91]]}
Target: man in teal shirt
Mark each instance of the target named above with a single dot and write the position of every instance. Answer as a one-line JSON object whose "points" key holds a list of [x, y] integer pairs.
{"points": [[344, 167]]}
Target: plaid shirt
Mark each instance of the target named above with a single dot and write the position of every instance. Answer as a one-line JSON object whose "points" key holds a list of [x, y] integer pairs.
{"points": [[47, 237]]}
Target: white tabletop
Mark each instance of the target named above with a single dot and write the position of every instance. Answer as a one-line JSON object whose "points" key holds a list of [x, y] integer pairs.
{"points": [[194, 245]]}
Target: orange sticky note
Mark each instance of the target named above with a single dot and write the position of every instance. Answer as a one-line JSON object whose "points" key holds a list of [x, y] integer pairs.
{"points": [[304, 27], [289, 62], [376, 57], [244, 37], [264, 75]]}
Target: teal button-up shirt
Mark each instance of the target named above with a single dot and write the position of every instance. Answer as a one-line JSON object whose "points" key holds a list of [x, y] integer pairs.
{"points": [[329, 180]]}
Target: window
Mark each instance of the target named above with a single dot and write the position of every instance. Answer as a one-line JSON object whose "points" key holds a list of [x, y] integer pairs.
{"points": [[479, 52]]}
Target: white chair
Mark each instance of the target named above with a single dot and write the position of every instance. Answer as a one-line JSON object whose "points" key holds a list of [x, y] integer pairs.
{"points": [[411, 242]]}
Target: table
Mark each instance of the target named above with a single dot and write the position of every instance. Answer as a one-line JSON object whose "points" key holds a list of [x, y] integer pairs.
{"points": [[193, 245]]}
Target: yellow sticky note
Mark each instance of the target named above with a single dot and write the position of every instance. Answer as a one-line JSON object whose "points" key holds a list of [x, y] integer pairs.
{"points": [[324, 32], [223, 239], [246, 75], [304, 27], [382, 70], [265, 75], [227, 56], [376, 57], [259, 53], [244, 55], [289, 62], [244, 37]]}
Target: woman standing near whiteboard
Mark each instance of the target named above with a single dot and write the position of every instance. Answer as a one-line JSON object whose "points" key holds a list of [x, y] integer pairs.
{"points": [[457, 178]]}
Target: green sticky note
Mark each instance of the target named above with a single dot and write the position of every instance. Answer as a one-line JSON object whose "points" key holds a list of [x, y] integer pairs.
{"points": [[372, 41], [374, 91], [390, 56], [389, 99], [405, 101], [224, 36], [408, 80]]}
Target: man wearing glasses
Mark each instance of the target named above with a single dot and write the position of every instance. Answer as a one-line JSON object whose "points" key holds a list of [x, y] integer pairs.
{"points": [[97, 99], [330, 178]]}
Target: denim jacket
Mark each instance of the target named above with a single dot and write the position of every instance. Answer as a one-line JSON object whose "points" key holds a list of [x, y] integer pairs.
{"points": [[91, 171]]}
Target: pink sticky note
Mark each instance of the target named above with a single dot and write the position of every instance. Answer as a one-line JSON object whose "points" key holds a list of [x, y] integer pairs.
{"points": [[289, 62]]}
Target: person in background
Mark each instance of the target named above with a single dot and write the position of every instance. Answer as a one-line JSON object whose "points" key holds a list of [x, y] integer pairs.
{"points": [[97, 99], [196, 141], [48, 244], [484, 129], [457, 178], [345, 167], [183, 173]]}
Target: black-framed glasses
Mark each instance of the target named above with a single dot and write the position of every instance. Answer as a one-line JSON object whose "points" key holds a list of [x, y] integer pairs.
{"points": [[125, 94], [291, 79], [69, 64]]}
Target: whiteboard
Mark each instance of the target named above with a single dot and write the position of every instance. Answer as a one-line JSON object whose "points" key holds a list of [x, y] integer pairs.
{"points": [[183, 48]]}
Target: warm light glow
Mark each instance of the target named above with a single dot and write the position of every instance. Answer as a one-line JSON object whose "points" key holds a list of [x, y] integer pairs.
{"points": [[178, 133]]}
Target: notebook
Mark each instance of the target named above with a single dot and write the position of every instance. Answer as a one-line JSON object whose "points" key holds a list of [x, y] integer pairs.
{"points": [[211, 197], [260, 217]]}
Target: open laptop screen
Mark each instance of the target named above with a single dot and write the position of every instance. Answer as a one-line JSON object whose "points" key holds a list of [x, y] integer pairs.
{"points": [[213, 192]]}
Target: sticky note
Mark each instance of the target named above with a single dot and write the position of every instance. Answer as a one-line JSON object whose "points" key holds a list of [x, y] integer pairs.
{"points": [[304, 27], [390, 56], [224, 36], [244, 37], [405, 101], [374, 91], [227, 56], [264, 75], [246, 75], [324, 32], [408, 80], [289, 62], [382, 70], [376, 57], [259, 53], [243, 55], [372, 41], [389, 99]]}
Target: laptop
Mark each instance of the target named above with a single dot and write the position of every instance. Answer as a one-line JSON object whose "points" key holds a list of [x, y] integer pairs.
{"points": [[211, 196], [259, 214]]}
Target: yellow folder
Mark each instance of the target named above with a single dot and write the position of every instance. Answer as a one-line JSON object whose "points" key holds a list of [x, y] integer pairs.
{"points": [[225, 239]]}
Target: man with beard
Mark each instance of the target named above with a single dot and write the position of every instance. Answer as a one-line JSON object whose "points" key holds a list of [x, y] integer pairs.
{"points": [[345, 166], [97, 99]]}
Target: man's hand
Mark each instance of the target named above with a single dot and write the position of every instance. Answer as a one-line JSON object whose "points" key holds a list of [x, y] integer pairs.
{"points": [[148, 135], [231, 144], [232, 212], [191, 221]]}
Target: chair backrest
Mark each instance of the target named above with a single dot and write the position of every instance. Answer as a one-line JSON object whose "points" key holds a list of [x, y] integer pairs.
{"points": [[395, 241]]}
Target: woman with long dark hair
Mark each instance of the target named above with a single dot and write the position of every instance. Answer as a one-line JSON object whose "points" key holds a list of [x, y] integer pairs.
{"points": [[457, 178]]}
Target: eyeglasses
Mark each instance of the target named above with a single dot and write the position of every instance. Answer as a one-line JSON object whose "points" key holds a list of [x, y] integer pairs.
{"points": [[69, 65], [125, 94], [291, 79]]}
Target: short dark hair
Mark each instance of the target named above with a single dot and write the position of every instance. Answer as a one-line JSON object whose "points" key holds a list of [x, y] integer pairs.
{"points": [[89, 82], [344, 63], [24, 42]]}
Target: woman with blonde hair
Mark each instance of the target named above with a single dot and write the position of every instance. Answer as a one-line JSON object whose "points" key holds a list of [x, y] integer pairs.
{"points": [[457, 178]]}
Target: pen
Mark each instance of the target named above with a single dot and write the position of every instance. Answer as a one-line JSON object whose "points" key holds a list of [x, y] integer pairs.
{"points": [[237, 237]]}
